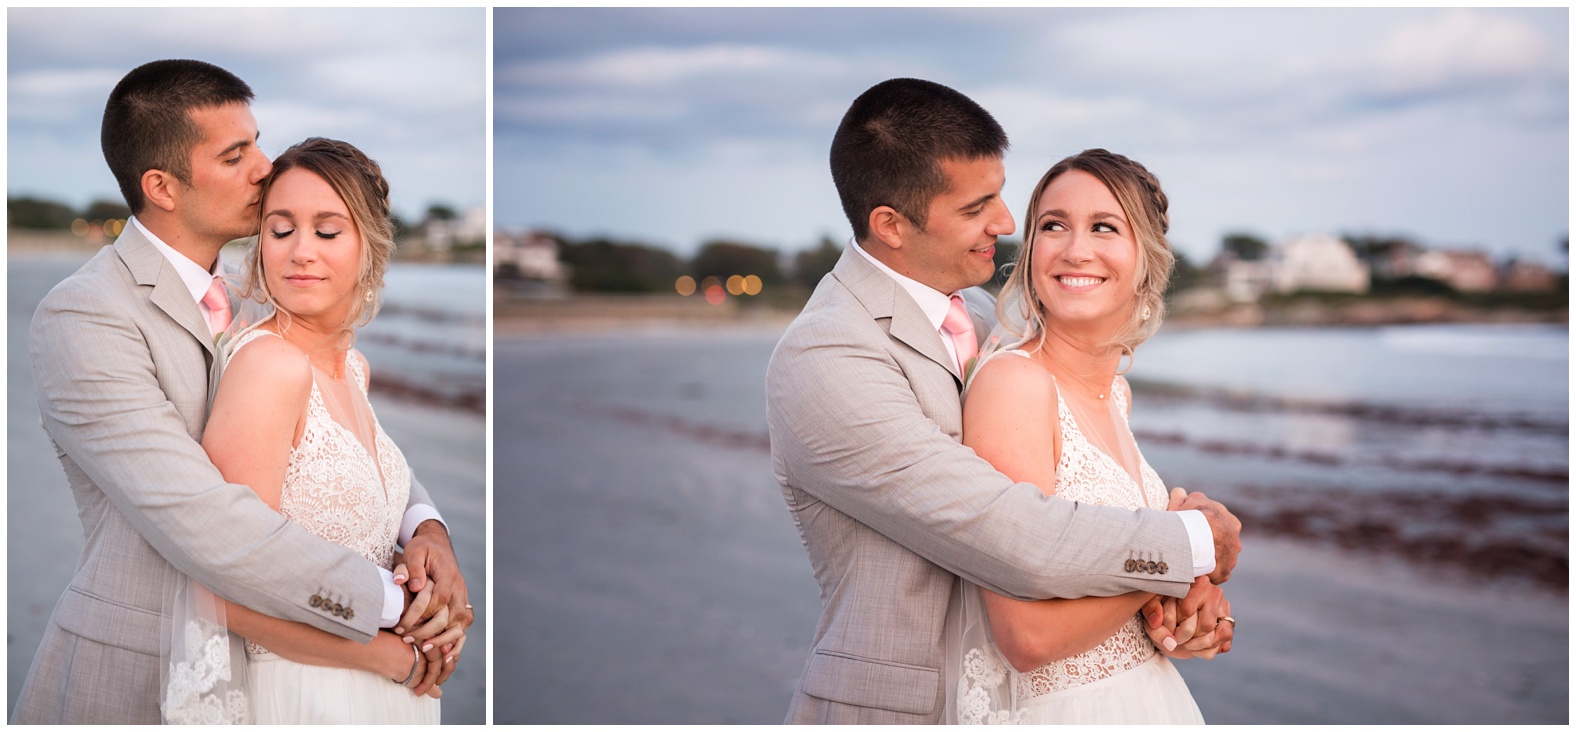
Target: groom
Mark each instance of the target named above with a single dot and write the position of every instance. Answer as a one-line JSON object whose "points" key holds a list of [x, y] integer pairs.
{"points": [[864, 417], [125, 360]]}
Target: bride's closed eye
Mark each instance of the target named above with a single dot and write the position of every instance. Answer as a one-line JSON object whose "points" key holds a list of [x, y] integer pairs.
{"points": [[280, 233], [327, 234]]}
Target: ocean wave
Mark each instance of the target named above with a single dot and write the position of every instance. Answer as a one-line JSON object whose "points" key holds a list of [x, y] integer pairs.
{"points": [[1390, 414]]}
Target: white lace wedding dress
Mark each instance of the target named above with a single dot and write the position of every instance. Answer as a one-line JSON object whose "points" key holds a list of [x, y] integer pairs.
{"points": [[1124, 680], [336, 489]]}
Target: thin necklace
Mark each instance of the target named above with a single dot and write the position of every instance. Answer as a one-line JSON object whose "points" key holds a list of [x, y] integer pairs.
{"points": [[1100, 393]]}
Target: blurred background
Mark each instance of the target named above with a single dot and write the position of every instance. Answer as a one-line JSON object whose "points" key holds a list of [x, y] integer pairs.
{"points": [[408, 87], [1366, 355]]}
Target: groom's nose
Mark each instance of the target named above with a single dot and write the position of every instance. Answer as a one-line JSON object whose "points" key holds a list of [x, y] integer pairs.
{"points": [[1001, 223], [262, 169]]}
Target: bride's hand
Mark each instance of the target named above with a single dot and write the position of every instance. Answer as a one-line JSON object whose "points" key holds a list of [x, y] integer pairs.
{"points": [[399, 663], [1190, 642]]}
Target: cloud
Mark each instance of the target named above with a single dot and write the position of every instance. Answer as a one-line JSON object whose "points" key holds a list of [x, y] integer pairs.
{"points": [[1267, 119], [408, 85]]}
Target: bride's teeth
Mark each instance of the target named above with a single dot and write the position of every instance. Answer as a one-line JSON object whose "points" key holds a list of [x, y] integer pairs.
{"points": [[1080, 281]]}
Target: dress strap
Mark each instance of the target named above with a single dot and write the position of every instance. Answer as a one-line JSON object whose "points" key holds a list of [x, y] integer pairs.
{"points": [[247, 337], [353, 366]]}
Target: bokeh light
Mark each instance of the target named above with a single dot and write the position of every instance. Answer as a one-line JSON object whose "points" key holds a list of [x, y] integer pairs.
{"points": [[685, 285], [735, 285], [752, 285], [715, 294]]}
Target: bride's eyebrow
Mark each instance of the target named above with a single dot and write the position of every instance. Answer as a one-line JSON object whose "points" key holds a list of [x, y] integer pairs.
{"points": [[1096, 216]]}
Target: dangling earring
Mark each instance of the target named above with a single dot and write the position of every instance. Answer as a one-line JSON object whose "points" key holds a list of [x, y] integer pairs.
{"points": [[1145, 314], [369, 297]]}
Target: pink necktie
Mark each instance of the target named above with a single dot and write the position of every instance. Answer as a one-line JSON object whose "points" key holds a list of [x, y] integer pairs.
{"points": [[218, 302], [958, 325]]}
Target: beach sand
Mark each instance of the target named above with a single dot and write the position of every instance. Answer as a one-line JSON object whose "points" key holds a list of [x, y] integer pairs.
{"points": [[446, 449], [648, 570]]}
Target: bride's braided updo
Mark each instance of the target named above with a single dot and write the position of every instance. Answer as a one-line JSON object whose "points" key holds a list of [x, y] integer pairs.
{"points": [[1145, 206], [360, 184]]}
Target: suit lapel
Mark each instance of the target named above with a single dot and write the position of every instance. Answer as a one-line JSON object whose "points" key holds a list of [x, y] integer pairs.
{"points": [[885, 299], [166, 290]]}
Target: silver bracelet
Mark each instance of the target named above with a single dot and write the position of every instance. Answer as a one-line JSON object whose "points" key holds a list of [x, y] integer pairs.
{"points": [[414, 663]]}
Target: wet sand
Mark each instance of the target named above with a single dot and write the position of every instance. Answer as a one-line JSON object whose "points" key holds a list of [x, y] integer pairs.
{"points": [[649, 571], [446, 449]]}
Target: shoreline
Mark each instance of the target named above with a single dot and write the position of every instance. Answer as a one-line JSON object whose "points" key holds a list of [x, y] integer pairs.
{"points": [[513, 314]]}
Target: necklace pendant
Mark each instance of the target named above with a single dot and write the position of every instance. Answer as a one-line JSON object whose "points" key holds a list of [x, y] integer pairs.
{"points": [[1102, 396]]}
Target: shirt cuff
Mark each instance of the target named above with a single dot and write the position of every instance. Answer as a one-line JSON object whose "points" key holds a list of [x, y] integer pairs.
{"points": [[413, 518], [393, 600], [1202, 539]]}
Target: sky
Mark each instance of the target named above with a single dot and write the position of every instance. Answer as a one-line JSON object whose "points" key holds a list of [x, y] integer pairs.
{"points": [[676, 126], [408, 87]]}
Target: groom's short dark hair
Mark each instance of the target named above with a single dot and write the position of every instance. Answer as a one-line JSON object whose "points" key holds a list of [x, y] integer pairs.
{"points": [[889, 147], [147, 120]]}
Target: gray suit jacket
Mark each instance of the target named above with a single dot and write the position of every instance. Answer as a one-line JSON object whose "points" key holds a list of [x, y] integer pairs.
{"points": [[865, 422], [123, 362]]}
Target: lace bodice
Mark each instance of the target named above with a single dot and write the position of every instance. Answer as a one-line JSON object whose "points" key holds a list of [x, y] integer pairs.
{"points": [[334, 488], [1087, 475]]}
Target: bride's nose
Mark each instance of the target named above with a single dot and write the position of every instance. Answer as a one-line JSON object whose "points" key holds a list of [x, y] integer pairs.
{"points": [[305, 250]]}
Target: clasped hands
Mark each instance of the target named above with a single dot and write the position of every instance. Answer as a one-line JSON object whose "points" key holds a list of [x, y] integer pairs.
{"points": [[1191, 627], [437, 610]]}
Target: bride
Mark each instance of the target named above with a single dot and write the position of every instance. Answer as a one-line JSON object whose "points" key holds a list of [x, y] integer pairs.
{"points": [[291, 420], [1052, 410]]}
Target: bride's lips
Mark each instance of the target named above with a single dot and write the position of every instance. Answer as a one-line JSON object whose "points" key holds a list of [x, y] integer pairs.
{"points": [[303, 280]]}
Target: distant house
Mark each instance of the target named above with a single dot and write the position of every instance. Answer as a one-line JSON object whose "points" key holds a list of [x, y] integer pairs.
{"points": [[1522, 276], [1465, 271], [531, 256], [1246, 280], [1396, 259], [442, 234], [1317, 263]]}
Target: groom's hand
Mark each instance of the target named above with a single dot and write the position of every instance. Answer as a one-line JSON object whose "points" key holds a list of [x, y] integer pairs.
{"points": [[1225, 527], [430, 557]]}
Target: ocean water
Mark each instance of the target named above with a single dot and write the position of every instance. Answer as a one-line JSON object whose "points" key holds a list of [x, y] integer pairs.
{"points": [[1437, 442], [644, 546]]}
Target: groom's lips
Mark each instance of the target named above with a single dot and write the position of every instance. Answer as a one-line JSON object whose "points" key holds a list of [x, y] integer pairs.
{"points": [[987, 252]]}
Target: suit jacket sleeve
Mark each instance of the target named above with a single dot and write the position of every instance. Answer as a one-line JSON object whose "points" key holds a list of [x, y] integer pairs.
{"points": [[852, 433], [101, 402]]}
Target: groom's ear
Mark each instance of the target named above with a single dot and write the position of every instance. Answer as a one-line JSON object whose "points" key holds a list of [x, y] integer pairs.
{"points": [[886, 226], [158, 188]]}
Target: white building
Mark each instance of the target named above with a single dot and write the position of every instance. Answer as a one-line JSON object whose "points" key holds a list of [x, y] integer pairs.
{"points": [[1320, 263], [534, 256]]}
